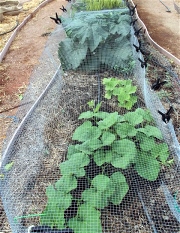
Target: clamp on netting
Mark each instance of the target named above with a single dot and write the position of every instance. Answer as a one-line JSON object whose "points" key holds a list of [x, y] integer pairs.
{"points": [[143, 63], [57, 20], [157, 85], [166, 116], [63, 9]]}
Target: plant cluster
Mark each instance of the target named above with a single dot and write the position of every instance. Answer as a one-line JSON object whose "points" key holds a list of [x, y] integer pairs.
{"points": [[97, 40], [92, 5], [108, 139], [123, 89]]}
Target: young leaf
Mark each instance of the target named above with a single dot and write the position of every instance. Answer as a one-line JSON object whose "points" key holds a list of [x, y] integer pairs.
{"points": [[120, 186], [86, 115], [86, 132], [8, 166], [96, 109], [110, 83], [107, 138], [160, 151], [108, 95], [75, 165], [147, 166]]}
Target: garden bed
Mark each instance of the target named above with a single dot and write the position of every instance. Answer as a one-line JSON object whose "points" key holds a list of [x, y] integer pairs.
{"points": [[57, 116]]}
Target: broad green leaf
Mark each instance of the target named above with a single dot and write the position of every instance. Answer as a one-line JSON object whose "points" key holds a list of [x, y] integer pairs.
{"points": [[133, 118], [124, 146], [71, 150], [86, 132], [100, 182], [145, 114], [122, 160], [110, 120], [147, 166], [151, 131], [101, 115], [120, 186], [66, 184], [57, 198], [84, 147], [85, 210], [95, 144], [94, 198], [147, 144], [107, 138], [89, 146], [75, 165], [68, 49], [121, 119], [86, 221], [102, 156], [125, 129], [97, 196], [125, 153], [86, 115], [53, 217], [160, 151]]}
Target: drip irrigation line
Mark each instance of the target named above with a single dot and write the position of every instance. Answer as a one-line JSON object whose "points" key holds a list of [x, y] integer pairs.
{"points": [[99, 89], [12, 29], [20, 105]]}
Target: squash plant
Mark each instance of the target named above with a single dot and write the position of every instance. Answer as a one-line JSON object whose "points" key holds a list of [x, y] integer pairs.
{"points": [[97, 39], [123, 89], [92, 5], [107, 139]]}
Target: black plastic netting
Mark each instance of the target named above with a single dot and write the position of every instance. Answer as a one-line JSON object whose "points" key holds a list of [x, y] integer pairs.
{"points": [[92, 154]]}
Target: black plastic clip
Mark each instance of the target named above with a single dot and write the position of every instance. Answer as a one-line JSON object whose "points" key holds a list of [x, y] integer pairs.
{"points": [[57, 20], [136, 33], [133, 22], [166, 116], [143, 63], [63, 9], [157, 85], [138, 48], [132, 11]]}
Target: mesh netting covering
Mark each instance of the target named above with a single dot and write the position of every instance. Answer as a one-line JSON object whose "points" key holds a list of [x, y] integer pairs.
{"points": [[116, 169]]}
